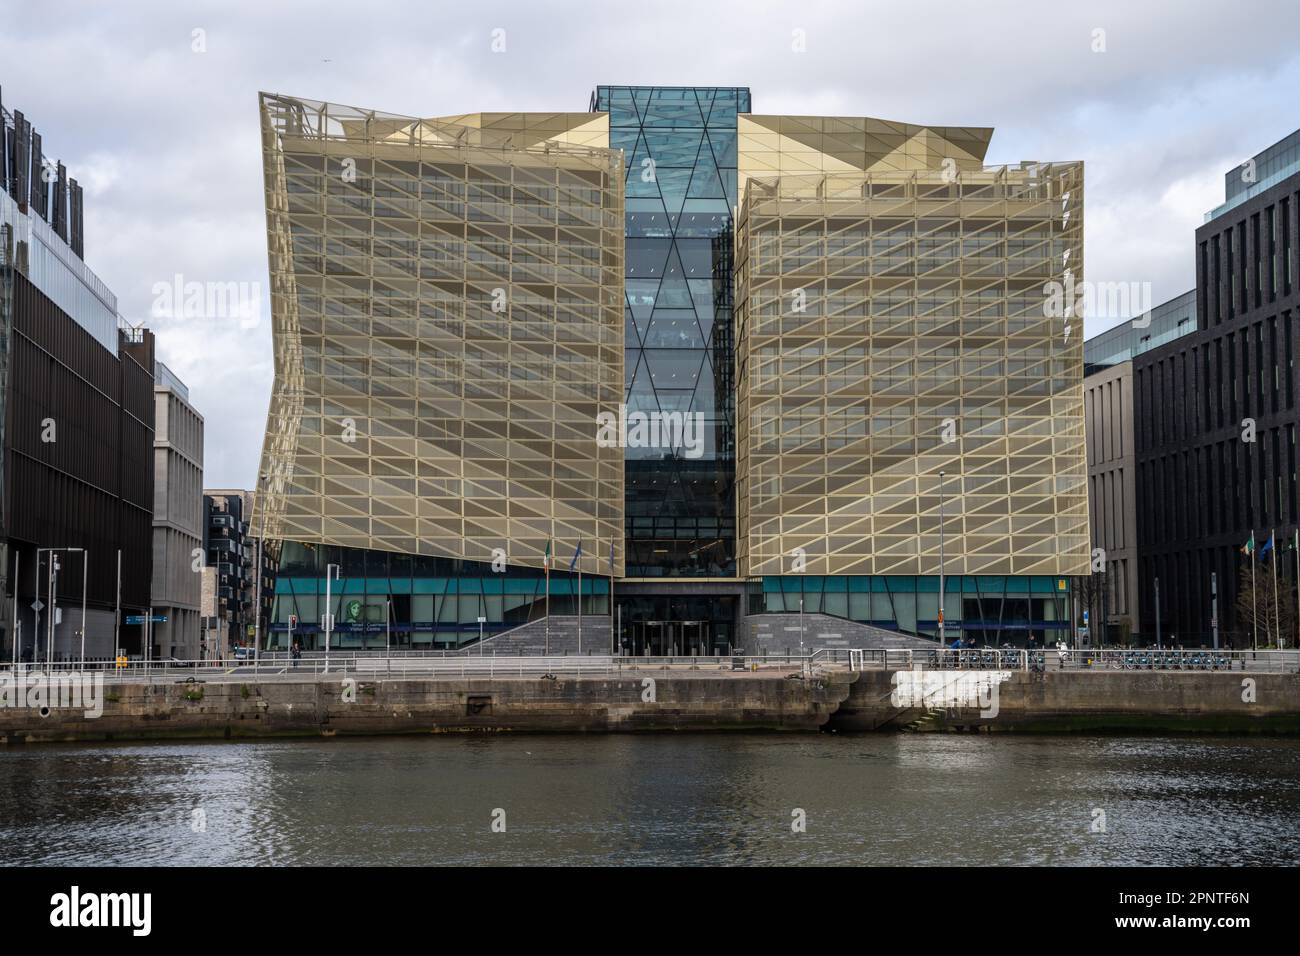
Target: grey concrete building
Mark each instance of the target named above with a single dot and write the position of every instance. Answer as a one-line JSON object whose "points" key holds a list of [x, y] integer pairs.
{"points": [[178, 517], [1113, 597], [1112, 601]]}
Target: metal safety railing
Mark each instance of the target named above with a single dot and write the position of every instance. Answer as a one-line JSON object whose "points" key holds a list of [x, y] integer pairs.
{"points": [[271, 666], [434, 664], [1281, 662], [1198, 659]]}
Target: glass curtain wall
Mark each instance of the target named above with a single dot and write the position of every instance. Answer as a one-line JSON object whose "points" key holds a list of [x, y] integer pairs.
{"points": [[409, 601], [990, 609], [679, 145]]}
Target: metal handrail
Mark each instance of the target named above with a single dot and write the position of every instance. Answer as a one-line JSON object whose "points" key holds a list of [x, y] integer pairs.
{"points": [[1271, 661], [1197, 659], [279, 665]]}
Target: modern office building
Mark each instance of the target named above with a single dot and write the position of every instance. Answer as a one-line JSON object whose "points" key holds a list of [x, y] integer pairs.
{"points": [[1113, 595], [230, 583], [1215, 410], [1132, 337], [78, 420], [178, 518], [506, 336]]}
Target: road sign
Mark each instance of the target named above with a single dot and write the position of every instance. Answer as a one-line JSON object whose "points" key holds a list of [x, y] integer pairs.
{"points": [[141, 618], [38, 606], [1085, 616], [482, 620], [121, 662]]}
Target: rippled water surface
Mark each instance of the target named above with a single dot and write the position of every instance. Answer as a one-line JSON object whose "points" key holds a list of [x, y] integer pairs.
{"points": [[871, 799]]}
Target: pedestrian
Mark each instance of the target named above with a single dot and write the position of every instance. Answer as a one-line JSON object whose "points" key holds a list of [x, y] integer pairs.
{"points": [[295, 652]]}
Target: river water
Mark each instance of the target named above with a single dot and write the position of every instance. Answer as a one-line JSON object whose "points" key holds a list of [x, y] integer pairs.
{"points": [[671, 799]]}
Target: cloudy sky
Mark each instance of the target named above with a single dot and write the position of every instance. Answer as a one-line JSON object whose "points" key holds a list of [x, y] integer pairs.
{"points": [[165, 140]]}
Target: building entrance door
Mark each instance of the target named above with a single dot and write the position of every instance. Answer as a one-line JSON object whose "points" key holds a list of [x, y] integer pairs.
{"points": [[672, 623], [669, 638]]}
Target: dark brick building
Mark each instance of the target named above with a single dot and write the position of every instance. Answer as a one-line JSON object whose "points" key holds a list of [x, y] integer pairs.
{"points": [[78, 422], [1215, 413]]}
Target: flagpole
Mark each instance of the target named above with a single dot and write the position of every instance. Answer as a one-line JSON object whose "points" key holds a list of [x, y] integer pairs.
{"points": [[611, 596], [547, 564], [579, 598], [1254, 607], [1277, 625], [1297, 580]]}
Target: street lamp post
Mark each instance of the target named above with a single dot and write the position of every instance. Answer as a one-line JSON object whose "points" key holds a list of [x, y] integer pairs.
{"points": [[117, 608], [85, 564], [53, 583], [801, 634], [53, 596], [17, 638], [257, 571], [331, 574], [941, 638], [257, 602], [36, 608], [1159, 640]]}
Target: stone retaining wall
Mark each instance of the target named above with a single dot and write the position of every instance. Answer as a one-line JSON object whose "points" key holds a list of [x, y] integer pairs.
{"points": [[648, 700], [652, 699]]}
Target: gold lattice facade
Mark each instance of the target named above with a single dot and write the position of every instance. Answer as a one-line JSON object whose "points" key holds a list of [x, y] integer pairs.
{"points": [[902, 311], [447, 299]]}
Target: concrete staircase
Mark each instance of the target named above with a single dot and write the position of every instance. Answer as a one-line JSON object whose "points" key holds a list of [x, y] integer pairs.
{"points": [[529, 639], [779, 634], [926, 721]]}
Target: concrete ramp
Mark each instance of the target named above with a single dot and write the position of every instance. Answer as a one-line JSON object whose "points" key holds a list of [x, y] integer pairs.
{"points": [[530, 639], [779, 634]]}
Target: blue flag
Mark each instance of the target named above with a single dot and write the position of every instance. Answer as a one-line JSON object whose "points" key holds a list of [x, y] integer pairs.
{"points": [[1268, 546], [611, 555], [576, 555]]}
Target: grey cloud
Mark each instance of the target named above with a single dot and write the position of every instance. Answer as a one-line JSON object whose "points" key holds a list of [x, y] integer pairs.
{"points": [[167, 141]]}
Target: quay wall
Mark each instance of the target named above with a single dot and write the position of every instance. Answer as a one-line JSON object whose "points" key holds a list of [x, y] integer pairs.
{"points": [[651, 700], [1083, 700], [320, 707]]}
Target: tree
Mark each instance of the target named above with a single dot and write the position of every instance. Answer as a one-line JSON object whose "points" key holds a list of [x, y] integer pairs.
{"points": [[1089, 588], [1274, 609]]}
